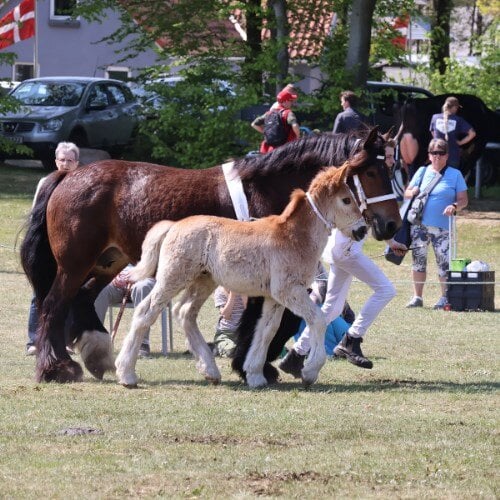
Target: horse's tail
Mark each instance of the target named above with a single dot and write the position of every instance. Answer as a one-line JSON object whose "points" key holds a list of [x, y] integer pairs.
{"points": [[37, 258], [151, 251]]}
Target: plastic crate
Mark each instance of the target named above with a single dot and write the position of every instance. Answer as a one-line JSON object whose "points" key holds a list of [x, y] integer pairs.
{"points": [[471, 291]]}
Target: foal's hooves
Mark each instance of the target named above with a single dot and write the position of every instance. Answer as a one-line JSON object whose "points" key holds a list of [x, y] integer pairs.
{"points": [[308, 381], [130, 386], [213, 380], [63, 372]]}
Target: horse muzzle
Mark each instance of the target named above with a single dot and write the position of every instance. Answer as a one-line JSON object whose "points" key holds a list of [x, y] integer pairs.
{"points": [[384, 231], [360, 233]]}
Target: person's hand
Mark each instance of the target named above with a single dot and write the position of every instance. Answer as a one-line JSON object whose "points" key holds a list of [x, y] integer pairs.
{"points": [[415, 191], [121, 280], [397, 248], [450, 210]]}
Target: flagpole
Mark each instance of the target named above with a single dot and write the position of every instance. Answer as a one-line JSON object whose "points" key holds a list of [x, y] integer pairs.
{"points": [[36, 72]]}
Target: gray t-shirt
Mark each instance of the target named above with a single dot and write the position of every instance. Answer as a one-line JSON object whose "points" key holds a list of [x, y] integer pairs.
{"points": [[350, 119]]}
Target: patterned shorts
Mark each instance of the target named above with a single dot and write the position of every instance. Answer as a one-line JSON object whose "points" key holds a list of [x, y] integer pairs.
{"points": [[421, 237]]}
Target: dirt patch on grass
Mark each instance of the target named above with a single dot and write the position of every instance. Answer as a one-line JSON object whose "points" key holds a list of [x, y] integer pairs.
{"points": [[268, 484], [482, 212]]}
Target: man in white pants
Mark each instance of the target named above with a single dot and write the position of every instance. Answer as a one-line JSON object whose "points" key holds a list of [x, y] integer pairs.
{"points": [[347, 260]]}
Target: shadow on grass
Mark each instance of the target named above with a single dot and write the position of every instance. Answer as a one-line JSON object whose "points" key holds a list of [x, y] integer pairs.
{"points": [[382, 385]]}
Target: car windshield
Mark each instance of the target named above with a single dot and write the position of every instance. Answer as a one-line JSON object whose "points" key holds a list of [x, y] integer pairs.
{"points": [[49, 93]]}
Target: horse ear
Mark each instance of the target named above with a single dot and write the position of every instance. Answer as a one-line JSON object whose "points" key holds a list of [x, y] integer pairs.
{"points": [[388, 134], [372, 137], [341, 173]]}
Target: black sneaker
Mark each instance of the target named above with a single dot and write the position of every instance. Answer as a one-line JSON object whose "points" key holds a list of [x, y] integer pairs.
{"points": [[350, 348], [144, 351], [293, 363]]}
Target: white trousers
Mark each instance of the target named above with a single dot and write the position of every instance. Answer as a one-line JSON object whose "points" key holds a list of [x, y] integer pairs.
{"points": [[346, 266]]}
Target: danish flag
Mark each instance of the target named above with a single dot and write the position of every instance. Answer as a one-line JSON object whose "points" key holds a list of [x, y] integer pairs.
{"points": [[18, 24]]}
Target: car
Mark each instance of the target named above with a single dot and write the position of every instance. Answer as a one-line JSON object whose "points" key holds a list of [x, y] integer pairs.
{"points": [[384, 99], [91, 112]]}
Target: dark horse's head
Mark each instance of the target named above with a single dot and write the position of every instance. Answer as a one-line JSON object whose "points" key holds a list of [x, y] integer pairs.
{"points": [[372, 186], [297, 163]]}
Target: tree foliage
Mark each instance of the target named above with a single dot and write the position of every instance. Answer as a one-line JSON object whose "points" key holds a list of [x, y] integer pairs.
{"points": [[480, 79], [199, 122]]}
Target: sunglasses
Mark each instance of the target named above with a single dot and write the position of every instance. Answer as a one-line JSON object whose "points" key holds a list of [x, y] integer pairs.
{"points": [[437, 153]]}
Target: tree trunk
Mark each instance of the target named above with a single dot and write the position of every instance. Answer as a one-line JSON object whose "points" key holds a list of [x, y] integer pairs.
{"points": [[280, 8], [254, 42], [440, 34], [358, 49]]}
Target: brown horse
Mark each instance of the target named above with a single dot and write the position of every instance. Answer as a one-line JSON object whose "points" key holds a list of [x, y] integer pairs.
{"points": [[88, 224]]}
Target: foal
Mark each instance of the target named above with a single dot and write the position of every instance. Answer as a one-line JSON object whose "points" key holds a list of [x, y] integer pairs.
{"points": [[275, 257]]}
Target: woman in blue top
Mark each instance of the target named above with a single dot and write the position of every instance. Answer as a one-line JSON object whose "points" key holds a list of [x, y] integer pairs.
{"points": [[448, 196], [453, 129]]}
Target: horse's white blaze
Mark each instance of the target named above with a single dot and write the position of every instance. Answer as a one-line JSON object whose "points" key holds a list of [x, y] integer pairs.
{"points": [[274, 257]]}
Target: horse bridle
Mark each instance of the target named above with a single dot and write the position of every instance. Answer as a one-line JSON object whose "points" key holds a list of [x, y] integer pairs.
{"points": [[329, 225], [361, 197]]}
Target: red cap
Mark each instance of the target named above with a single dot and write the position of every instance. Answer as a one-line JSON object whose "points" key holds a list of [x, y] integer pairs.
{"points": [[286, 95]]}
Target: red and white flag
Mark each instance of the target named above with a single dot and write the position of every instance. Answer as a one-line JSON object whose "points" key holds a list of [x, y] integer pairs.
{"points": [[18, 24]]}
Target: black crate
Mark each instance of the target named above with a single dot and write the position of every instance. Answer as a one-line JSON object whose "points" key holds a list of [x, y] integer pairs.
{"points": [[471, 291]]}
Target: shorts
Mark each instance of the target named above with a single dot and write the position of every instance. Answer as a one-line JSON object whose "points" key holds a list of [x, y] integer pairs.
{"points": [[421, 237]]}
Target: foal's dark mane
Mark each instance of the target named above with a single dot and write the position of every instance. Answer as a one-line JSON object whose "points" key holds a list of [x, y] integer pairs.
{"points": [[314, 150]]}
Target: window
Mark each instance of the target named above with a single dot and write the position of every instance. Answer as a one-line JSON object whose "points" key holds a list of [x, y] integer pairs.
{"points": [[98, 96], [118, 73], [62, 8], [23, 71], [61, 12], [117, 93]]}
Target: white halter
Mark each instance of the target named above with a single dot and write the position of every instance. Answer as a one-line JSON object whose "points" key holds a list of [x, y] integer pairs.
{"points": [[329, 225]]}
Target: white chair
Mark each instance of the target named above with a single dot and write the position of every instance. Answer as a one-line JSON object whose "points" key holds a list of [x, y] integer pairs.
{"points": [[167, 331]]}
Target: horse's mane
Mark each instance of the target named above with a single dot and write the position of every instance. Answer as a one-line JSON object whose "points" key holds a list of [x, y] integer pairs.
{"points": [[315, 149]]}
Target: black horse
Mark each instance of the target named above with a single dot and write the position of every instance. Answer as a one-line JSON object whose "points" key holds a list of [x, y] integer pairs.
{"points": [[415, 118]]}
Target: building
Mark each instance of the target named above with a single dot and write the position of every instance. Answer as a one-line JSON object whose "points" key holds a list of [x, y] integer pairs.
{"points": [[64, 46]]}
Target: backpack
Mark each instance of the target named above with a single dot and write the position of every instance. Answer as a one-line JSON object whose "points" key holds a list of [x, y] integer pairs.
{"points": [[275, 129]]}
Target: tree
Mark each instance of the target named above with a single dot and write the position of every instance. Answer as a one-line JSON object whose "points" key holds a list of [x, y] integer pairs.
{"points": [[358, 48], [281, 34], [440, 34]]}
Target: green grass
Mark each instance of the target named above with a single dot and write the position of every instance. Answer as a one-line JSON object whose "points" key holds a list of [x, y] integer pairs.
{"points": [[422, 424]]}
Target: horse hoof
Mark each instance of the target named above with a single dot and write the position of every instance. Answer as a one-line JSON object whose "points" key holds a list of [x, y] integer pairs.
{"points": [[63, 372], [96, 353], [307, 382], [256, 380], [130, 386], [271, 373], [213, 380]]}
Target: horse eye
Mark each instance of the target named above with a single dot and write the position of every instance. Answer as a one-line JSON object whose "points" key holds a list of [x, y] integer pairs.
{"points": [[346, 201]]}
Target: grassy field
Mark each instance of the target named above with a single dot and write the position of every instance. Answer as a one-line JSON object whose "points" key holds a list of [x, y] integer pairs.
{"points": [[423, 423]]}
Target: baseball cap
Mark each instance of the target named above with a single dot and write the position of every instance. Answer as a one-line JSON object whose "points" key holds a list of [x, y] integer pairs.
{"points": [[286, 95]]}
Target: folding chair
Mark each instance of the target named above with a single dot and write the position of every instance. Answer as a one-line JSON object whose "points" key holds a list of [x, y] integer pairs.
{"points": [[167, 332]]}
